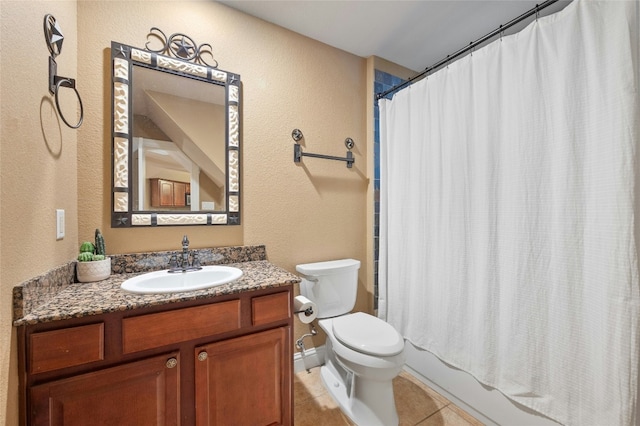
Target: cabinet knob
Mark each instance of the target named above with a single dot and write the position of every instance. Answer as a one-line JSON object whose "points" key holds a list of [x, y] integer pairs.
{"points": [[171, 362], [202, 356]]}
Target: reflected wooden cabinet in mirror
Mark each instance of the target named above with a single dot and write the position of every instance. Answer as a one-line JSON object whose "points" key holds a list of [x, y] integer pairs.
{"points": [[175, 119]]}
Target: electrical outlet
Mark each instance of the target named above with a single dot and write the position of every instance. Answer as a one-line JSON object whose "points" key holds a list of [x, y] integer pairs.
{"points": [[59, 224]]}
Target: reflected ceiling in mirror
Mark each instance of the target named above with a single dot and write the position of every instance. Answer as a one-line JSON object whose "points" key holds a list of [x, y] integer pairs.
{"points": [[175, 141]]}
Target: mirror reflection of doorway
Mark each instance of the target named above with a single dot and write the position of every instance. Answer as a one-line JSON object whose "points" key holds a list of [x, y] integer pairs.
{"points": [[166, 179], [179, 129]]}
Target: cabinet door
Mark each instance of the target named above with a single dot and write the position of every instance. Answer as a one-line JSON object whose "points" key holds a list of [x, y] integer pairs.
{"points": [[179, 191], [138, 393], [166, 192], [244, 381]]}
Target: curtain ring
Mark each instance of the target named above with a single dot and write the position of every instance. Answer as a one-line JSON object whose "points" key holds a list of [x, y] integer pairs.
{"points": [[70, 84]]}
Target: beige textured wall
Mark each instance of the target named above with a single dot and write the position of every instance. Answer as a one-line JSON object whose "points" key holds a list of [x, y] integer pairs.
{"points": [[302, 212], [37, 163]]}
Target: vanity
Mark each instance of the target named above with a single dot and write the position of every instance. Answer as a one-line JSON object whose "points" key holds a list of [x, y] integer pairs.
{"points": [[96, 354]]}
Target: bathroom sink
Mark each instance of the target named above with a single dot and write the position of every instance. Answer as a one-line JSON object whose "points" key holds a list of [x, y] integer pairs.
{"points": [[174, 282]]}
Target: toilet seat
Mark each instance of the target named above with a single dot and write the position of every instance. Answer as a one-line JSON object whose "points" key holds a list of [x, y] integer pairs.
{"points": [[367, 334]]}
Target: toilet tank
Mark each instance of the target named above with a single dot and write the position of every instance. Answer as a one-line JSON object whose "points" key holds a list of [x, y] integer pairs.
{"points": [[331, 285]]}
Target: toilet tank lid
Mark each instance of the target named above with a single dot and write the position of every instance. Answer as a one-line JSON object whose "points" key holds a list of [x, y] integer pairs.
{"points": [[328, 268]]}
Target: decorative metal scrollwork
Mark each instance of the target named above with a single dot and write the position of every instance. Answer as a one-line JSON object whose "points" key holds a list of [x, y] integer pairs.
{"points": [[53, 35], [181, 46]]}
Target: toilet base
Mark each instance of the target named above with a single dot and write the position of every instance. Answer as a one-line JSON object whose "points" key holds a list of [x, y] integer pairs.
{"points": [[358, 398]]}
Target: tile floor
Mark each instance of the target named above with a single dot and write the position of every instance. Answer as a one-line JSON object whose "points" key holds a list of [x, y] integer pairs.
{"points": [[417, 404]]}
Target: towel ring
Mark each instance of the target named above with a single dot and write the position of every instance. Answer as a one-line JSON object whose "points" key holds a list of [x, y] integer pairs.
{"points": [[54, 38], [70, 83]]}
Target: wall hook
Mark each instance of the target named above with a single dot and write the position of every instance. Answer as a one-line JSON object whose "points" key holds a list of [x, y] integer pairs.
{"points": [[54, 38], [296, 134]]}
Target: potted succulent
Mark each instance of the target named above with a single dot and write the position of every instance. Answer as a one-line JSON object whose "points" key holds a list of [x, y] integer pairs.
{"points": [[93, 263]]}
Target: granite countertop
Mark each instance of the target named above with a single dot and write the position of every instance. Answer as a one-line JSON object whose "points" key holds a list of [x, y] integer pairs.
{"points": [[83, 299]]}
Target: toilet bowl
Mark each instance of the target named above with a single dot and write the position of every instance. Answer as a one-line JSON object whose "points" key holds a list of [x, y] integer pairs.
{"points": [[361, 382], [363, 353]]}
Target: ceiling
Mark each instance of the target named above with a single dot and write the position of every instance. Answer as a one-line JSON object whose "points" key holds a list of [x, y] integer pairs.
{"points": [[415, 34]]}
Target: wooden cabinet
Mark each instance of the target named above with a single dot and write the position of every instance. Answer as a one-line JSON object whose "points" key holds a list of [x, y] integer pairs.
{"points": [[197, 362], [242, 381], [137, 393], [179, 192], [153, 330], [169, 193], [67, 347]]}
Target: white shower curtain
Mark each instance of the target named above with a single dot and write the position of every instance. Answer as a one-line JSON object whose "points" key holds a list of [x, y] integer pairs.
{"points": [[508, 198]]}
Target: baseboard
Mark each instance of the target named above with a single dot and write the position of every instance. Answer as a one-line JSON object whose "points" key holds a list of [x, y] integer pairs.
{"points": [[313, 357]]}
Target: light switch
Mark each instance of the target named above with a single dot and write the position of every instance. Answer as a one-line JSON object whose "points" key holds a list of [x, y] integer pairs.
{"points": [[59, 224]]}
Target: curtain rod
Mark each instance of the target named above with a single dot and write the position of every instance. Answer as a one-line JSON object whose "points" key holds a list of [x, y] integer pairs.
{"points": [[465, 49]]}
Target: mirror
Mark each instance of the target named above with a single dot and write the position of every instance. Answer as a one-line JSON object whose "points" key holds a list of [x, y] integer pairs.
{"points": [[175, 137]]}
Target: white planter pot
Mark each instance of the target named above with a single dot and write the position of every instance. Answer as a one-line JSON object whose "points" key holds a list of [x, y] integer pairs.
{"points": [[93, 271]]}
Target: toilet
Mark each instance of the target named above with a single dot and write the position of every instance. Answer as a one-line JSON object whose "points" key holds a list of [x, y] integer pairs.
{"points": [[363, 353]]}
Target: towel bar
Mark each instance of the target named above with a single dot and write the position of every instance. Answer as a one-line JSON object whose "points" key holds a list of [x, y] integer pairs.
{"points": [[298, 154]]}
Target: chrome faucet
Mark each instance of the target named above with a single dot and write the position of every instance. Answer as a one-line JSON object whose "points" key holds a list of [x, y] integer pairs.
{"points": [[185, 251], [183, 265]]}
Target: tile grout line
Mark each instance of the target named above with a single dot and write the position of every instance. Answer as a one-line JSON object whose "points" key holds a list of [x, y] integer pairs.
{"points": [[434, 413]]}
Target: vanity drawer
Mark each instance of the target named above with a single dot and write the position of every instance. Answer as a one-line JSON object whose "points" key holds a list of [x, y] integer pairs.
{"points": [[165, 328], [67, 347], [270, 308]]}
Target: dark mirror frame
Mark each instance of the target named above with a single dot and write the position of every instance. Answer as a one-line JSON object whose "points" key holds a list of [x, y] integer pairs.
{"points": [[123, 215]]}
